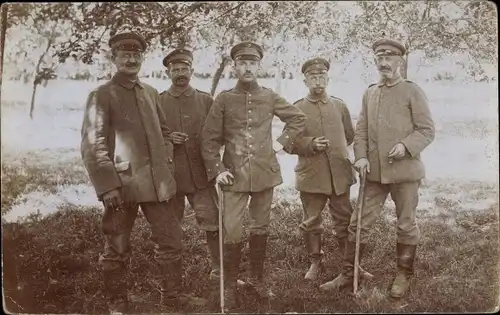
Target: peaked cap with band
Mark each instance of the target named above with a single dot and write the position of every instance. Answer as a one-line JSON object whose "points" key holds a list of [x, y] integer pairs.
{"points": [[128, 41], [247, 50], [179, 55], [387, 46], [318, 63]]}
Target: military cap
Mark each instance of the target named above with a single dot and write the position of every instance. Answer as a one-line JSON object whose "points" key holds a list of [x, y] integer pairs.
{"points": [[247, 50], [179, 55], [128, 41], [315, 64], [386, 46]]}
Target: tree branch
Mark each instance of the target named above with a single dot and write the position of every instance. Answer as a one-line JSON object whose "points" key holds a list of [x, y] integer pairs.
{"points": [[387, 14], [220, 16]]}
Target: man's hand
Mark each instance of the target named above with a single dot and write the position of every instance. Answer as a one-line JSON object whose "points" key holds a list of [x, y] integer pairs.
{"points": [[112, 199], [320, 143], [362, 166], [225, 178], [397, 152], [179, 137]]}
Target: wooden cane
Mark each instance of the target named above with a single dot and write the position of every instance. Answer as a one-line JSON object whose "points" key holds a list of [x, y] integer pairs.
{"points": [[359, 206], [220, 193]]}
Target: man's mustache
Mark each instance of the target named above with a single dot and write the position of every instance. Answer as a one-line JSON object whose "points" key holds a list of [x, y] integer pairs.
{"points": [[132, 64], [385, 68], [181, 77]]}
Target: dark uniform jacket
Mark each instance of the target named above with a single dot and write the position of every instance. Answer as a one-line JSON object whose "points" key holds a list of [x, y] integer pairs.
{"points": [[126, 143], [186, 112], [392, 114], [241, 120], [329, 171]]}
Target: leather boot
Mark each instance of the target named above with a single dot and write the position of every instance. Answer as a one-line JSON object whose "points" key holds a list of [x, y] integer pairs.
{"points": [[258, 245], [115, 286], [346, 277], [363, 274], [232, 259], [313, 247], [213, 247], [171, 282], [172, 296], [405, 259]]}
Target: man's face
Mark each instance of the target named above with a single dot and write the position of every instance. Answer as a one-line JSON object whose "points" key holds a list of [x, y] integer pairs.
{"points": [[128, 62], [246, 70], [388, 65], [316, 81], [180, 73]]}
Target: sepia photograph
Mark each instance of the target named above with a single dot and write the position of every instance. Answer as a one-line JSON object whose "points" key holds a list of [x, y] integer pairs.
{"points": [[280, 157]]}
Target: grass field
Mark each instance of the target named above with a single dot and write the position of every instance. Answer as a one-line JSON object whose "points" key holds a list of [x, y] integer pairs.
{"points": [[50, 258]]}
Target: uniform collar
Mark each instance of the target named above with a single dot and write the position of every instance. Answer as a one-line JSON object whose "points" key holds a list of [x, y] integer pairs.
{"points": [[124, 80], [314, 99], [177, 91], [247, 87], [383, 82]]}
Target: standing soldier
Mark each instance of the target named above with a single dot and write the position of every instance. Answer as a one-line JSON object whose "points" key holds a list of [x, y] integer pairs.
{"points": [[324, 172], [127, 152], [394, 126], [186, 109], [241, 121]]}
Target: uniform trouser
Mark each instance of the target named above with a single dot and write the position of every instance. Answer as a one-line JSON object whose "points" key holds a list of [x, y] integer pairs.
{"points": [[313, 204], [405, 196], [117, 226], [204, 203], [235, 204]]}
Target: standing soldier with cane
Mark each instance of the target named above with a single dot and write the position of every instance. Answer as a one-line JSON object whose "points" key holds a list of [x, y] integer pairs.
{"points": [[127, 152], [393, 128], [186, 109], [241, 121]]}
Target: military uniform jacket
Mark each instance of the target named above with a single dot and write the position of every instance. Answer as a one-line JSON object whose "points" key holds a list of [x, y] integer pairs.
{"points": [[389, 115], [126, 143], [241, 121], [329, 171], [186, 112]]}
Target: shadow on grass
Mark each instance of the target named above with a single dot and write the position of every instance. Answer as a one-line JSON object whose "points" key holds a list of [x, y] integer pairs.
{"points": [[50, 266]]}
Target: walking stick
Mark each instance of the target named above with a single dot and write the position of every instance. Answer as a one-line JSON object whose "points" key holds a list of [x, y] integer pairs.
{"points": [[359, 206], [221, 246]]}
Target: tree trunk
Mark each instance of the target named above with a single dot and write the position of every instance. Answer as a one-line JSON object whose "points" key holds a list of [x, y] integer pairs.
{"points": [[218, 74], [279, 77], [4, 9], [404, 70], [32, 107]]}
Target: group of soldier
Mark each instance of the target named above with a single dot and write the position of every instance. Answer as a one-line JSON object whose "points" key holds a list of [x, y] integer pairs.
{"points": [[150, 150]]}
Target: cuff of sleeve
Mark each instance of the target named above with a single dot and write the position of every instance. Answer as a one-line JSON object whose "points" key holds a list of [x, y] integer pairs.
{"points": [[408, 150], [286, 141], [357, 158], [310, 146], [215, 169], [102, 191]]}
